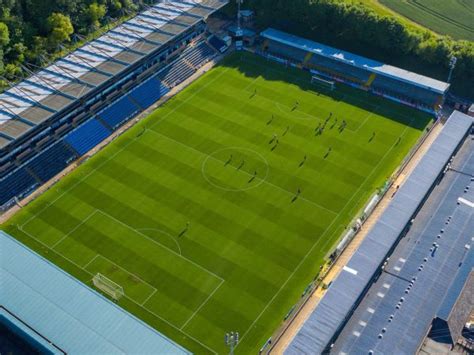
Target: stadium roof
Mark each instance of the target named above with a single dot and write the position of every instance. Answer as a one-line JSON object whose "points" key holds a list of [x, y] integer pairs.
{"points": [[343, 294], [443, 275], [68, 313], [357, 61], [54, 88], [457, 285]]}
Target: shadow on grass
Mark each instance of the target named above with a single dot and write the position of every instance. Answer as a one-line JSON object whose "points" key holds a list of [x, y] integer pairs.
{"points": [[254, 66]]}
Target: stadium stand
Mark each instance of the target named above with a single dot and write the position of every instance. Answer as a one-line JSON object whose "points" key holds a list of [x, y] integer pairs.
{"points": [[87, 136], [175, 73], [411, 94], [338, 69], [149, 92], [63, 95], [51, 161], [199, 55], [15, 184], [346, 292], [295, 55], [118, 112], [70, 317], [394, 83]]}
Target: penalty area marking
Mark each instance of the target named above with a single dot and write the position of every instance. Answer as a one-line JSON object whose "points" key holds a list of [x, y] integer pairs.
{"points": [[161, 245], [320, 239], [202, 304], [20, 228], [162, 232], [74, 229]]}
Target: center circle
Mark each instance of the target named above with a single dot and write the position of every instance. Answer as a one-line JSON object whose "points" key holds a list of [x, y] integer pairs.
{"points": [[235, 169]]}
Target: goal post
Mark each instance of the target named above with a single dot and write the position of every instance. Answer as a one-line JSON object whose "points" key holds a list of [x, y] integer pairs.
{"points": [[331, 85], [106, 285]]}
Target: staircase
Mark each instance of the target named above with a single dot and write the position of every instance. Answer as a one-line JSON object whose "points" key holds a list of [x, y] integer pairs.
{"points": [[307, 58], [371, 80]]}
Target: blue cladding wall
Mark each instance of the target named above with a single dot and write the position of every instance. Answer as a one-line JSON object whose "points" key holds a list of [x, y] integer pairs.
{"points": [[149, 92], [87, 136], [120, 111], [51, 161]]}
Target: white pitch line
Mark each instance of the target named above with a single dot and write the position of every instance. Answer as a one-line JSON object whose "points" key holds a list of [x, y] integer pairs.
{"points": [[90, 262], [54, 251], [122, 149], [125, 270], [73, 230], [202, 304], [171, 325], [163, 232], [245, 172], [320, 239], [129, 298], [161, 245], [148, 298]]}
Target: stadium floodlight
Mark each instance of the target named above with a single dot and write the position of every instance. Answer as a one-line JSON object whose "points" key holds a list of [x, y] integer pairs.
{"points": [[239, 33], [452, 64], [232, 339], [239, 2]]}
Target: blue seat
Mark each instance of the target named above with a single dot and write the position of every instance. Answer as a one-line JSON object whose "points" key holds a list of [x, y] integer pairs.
{"points": [[118, 112], [51, 161], [87, 136], [176, 73], [149, 92], [199, 54], [15, 184]]}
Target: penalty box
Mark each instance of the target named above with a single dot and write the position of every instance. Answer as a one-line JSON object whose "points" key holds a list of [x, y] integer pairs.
{"points": [[151, 274]]}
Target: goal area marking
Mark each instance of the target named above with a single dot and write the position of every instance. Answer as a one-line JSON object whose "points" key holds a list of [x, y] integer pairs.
{"points": [[106, 285]]}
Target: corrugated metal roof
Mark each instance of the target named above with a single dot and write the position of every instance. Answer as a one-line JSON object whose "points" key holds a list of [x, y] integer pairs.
{"points": [[343, 294], [74, 317], [457, 285], [54, 88], [418, 276], [357, 61]]}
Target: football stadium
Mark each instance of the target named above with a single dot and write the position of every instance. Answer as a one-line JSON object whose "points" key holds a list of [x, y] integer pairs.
{"points": [[164, 190]]}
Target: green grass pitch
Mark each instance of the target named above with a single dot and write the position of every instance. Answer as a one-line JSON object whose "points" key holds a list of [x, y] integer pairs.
{"points": [[196, 212], [450, 17]]}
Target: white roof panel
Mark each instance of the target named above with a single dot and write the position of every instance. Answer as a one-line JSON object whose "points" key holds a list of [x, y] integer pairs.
{"points": [[64, 72]]}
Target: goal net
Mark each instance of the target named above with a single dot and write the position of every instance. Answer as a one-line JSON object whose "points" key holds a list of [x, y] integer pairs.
{"points": [[323, 82], [108, 286]]}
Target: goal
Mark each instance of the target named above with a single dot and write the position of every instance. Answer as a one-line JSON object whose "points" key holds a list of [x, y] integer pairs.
{"points": [[108, 286], [323, 82]]}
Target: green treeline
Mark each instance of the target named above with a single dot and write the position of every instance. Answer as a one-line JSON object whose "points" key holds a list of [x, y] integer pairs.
{"points": [[37, 31], [358, 28]]}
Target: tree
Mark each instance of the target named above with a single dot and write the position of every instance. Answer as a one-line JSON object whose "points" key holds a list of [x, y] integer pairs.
{"points": [[4, 35], [60, 28], [95, 13]]}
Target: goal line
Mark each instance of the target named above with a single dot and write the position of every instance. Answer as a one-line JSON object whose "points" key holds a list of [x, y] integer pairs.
{"points": [[106, 285]]}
